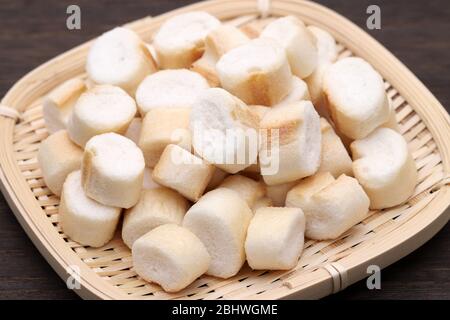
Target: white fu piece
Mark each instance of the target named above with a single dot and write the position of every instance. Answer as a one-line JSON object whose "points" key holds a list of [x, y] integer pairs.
{"points": [[249, 189], [169, 89], [290, 143], [161, 127], [224, 130], [355, 96], [298, 92], [315, 89], [297, 40], [218, 176], [85, 220], [148, 182], [335, 158], [120, 58], [100, 110], [134, 130], [113, 170], [277, 193], [384, 167], [331, 206], [392, 120], [155, 207], [256, 72], [182, 171], [325, 43], [259, 111], [220, 219], [170, 256], [326, 55], [218, 42], [58, 104], [263, 202], [275, 238], [58, 156], [181, 39]]}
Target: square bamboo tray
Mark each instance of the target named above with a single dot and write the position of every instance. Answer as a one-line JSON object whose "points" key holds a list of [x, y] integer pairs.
{"points": [[325, 267]]}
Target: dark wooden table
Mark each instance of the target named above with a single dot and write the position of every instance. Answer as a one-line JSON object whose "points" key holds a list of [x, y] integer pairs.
{"points": [[31, 32]]}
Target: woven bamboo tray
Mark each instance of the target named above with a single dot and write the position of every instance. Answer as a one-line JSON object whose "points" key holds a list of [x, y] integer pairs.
{"points": [[325, 267]]}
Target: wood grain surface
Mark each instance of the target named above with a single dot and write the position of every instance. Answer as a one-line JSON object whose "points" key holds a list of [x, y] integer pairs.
{"points": [[32, 32]]}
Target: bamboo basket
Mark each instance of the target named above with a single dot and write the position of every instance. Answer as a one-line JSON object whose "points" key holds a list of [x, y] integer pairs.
{"points": [[325, 266]]}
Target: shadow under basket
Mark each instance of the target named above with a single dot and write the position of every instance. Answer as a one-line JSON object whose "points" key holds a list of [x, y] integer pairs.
{"points": [[325, 267]]}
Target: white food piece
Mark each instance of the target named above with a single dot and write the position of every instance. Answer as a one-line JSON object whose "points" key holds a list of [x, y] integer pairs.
{"points": [[290, 143], [100, 110], [257, 72], [254, 28], [120, 58], [263, 202], [356, 97], [326, 55], [85, 220], [58, 104], [277, 193], [113, 170], [298, 92], [162, 127], [259, 111], [335, 158], [169, 89], [392, 120], [326, 45], [331, 206], [182, 171], [134, 130], [222, 39], [220, 219], [170, 256], [58, 156], [315, 88], [253, 171], [249, 189], [224, 130], [384, 167], [155, 207], [297, 40], [148, 182], [218, 176], [275, 238], [181, 39], [218, 42]]}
